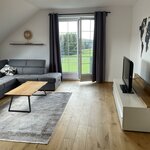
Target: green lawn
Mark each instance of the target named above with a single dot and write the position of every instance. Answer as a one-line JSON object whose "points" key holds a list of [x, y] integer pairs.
{"points": [[70, 62]]}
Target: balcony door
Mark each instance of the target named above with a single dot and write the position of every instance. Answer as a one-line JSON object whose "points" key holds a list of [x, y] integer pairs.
{"points": [[76, 45]]}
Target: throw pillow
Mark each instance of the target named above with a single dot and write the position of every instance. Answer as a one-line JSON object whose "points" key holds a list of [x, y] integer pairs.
{"points": [[8, 70]]}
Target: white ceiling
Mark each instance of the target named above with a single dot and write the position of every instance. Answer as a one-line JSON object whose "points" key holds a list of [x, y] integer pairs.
{"points": [[62, 4]]}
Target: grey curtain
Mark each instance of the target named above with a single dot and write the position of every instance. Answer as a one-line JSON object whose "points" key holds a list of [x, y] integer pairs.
{"points": [[55, 57], [99, 47]]}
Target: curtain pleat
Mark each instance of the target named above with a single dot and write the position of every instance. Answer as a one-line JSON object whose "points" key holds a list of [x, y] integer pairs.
{"points": [[55, 56], [99, 47]]}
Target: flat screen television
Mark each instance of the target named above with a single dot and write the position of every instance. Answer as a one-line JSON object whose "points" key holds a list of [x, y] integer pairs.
{"points": [[127, 74]]}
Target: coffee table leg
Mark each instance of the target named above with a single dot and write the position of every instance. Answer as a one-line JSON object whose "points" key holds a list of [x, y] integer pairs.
{"points": [[29, 103], [10, 103], [45, 93], [20, 110]]}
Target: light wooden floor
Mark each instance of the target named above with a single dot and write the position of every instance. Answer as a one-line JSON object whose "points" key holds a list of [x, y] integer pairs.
{"points": [[89, 122]]}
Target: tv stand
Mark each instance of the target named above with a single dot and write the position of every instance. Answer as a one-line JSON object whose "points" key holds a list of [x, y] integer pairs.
{"points": [[124, 89], [133, 112]]}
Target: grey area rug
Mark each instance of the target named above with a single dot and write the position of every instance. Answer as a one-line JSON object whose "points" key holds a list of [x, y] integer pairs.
{"points": [[34, 127]]}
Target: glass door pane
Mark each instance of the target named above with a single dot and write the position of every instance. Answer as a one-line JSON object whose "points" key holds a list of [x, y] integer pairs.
{"points": [[87, 32], [76, 45], [69, 47]]}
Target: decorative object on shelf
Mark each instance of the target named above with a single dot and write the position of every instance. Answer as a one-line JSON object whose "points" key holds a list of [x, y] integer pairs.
{"points": [[28, 35]]}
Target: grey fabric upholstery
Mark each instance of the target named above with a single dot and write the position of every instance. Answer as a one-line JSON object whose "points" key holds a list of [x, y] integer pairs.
{"points": [[28, 66], [35, 63], [17, 62], [54, 80], [19, 70], [24, 78], [33, 70], [28, 70], [8, 83], [5, 79], [3, 63], [50, 77], [2, 90]]}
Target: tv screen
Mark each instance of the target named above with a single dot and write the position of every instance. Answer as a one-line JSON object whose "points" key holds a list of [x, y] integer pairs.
{"points": [[127, 74]]}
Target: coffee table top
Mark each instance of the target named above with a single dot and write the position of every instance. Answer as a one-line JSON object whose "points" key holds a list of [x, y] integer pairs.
{"points": [[26, 89]]}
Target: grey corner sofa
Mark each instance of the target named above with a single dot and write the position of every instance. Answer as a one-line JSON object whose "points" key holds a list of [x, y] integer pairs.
{"points": [[28, 70]]}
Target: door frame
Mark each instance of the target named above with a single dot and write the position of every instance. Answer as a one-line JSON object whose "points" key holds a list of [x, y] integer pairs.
{"points": [[78, 75]]}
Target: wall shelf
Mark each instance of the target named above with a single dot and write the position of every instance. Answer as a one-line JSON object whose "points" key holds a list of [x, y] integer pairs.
{"points": [[30, 44]]}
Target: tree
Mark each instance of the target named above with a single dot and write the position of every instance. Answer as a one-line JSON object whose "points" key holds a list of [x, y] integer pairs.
{"points": [[87, 43], [68, 43]]}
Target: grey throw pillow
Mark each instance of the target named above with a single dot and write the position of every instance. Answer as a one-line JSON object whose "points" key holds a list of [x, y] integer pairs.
{"points": [[8, 70]]}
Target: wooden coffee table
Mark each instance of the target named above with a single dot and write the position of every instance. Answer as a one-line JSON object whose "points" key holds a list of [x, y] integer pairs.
{"points": [[26, 89]]}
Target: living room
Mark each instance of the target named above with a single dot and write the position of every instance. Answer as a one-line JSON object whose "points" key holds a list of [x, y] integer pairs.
{"points": [[90, 119]]}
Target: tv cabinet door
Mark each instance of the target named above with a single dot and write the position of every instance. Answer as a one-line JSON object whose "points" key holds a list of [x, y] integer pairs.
{"points": [[136, 119]]}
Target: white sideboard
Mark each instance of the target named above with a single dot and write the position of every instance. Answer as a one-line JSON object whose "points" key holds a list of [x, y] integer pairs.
{"points": [[132, 111]]}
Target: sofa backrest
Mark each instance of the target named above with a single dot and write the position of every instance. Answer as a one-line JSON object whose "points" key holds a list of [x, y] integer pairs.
{"points": [[2, 64], [28, 66]]}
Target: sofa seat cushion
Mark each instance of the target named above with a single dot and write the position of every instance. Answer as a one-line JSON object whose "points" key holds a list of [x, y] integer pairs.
{"points": [[50, 77], [7, 81], [24, 78]]}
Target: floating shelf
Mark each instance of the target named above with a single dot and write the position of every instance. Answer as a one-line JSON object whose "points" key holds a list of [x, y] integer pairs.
{"points": [[36, 44]]}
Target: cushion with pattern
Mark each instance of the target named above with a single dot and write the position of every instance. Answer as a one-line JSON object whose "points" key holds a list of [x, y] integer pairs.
{"points": [[8, 70]]}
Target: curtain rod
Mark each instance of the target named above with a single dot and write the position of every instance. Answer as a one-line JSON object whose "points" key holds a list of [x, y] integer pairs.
{"points": [[82, 13]]}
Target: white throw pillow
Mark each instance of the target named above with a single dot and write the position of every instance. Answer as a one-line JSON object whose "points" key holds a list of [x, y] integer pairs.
{"points": [[8, 70]]}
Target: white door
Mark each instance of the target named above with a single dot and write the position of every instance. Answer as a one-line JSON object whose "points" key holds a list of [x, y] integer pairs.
{"points": [[76, 45]]}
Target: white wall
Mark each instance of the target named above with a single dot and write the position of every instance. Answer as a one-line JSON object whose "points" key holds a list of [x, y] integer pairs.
{"points": [[39, 25], [118, 40], [117, 43], [141, 10], [14, 13]]}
